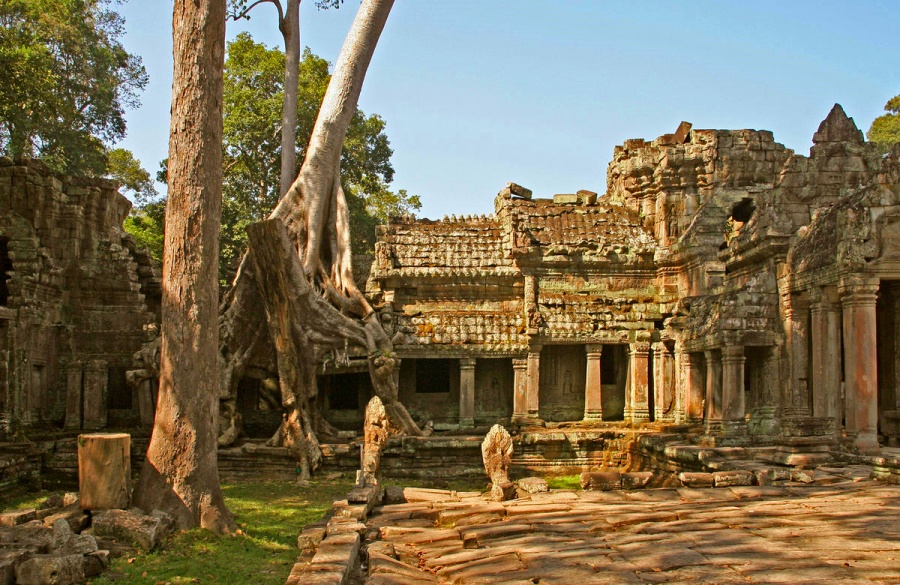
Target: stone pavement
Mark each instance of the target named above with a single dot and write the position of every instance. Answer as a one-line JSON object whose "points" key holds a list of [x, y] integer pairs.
{"points": [[845, 532]]}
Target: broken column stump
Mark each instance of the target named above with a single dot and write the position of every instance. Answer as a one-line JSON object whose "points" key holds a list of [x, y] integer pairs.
{"points": [[104, 470], [497, 450]]}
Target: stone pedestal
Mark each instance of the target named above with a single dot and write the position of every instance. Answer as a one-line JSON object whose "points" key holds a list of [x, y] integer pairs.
{"points": [[467, 393], [637, 409], [861, 367], [593, 391], [104, 471]]}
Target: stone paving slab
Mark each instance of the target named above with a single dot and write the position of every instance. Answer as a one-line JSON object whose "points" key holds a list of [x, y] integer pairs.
{"points": [[845, 532]]}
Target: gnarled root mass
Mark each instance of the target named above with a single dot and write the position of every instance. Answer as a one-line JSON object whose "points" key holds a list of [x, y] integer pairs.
{"points": [[300, 324]]}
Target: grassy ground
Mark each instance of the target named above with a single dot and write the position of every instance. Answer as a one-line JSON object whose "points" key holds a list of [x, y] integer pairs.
{"points": [[270, 515]]}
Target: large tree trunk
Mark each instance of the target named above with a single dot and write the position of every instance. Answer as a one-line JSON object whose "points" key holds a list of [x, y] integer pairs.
{"points": [[290, 30], [180, 474], [315, 214]]}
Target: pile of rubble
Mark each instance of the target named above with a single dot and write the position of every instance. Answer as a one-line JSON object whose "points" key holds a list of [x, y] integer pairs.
{"points": [[63, 544]]}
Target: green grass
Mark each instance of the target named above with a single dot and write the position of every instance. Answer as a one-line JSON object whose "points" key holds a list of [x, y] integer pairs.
{"points": [[564, 482], [270, 515]]}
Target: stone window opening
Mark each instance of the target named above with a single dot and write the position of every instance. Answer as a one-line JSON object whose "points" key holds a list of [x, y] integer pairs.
{"points": [[119, 394], [5, 269], [433, 376], [741, 213]]}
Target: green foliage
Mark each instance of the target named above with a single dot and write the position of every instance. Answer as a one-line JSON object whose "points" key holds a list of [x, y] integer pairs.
{"points": [[885, 130], [254, 90], [66, 82], [147, 225], [270, 515], [121, 166]]}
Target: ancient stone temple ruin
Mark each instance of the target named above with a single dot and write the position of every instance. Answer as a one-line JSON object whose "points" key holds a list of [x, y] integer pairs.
{"points": [[77, 299], [722, 283], [722, 280]]}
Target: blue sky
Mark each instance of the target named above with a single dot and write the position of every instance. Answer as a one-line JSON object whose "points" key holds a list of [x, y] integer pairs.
{"points": [[478, 93]]}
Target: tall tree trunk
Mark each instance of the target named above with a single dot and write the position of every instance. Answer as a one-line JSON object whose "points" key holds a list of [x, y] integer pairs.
{"points": [[180, 474], [290, 30]]}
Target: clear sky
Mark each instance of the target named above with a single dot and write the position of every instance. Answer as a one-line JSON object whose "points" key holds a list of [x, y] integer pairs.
{"points": [[477, 93]]}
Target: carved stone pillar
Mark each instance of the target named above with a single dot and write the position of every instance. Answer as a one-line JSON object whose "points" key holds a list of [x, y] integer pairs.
{"points": [[637, 408], [733, 383], [520, 389], [796, 315], [73, 395], [467, 393], [533, 386], [861, 365], [713, 413], [96, 375], [694, 386], [593, 404], [826, 355], [663, 383]]}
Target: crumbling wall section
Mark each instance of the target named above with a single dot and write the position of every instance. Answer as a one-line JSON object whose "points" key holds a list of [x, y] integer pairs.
{"points": [[77, 292]]}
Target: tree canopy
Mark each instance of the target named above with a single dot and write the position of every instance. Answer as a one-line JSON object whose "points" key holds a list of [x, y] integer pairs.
{"points": [[885, 129], [66, 82], [254, 91]]}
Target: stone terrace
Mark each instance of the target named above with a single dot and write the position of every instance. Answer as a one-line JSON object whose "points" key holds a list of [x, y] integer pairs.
{"points": [[847, 531]]}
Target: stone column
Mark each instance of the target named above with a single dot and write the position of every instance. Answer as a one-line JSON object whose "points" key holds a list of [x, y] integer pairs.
{"points": [[713, 413], [95, 380], [796, 314], [467, 393], [593, 402], [663, 383], [520, 389], [637, 409], [533, 382], [733, 383], [73, 395], [694, 386], [861, 365], [826, 355]]}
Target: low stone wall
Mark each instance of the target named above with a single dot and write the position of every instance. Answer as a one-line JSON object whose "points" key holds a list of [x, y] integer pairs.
{"points": [[20, 467]]}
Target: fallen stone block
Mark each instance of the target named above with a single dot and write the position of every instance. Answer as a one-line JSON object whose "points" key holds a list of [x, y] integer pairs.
{"points": [[310, 537], [565, 198], [94, 563], [344, 526], [533, 485], [51, 570], [636, 479], [803, 475], [33, 536], [129, 527], [733, 478], [9, 561], [601, 480], [17, 517], [696, 480], [73, 514], [474, 537], [587, 197]]}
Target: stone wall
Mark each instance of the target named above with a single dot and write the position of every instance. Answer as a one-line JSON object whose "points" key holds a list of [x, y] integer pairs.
{"points": [[81, 298]]}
